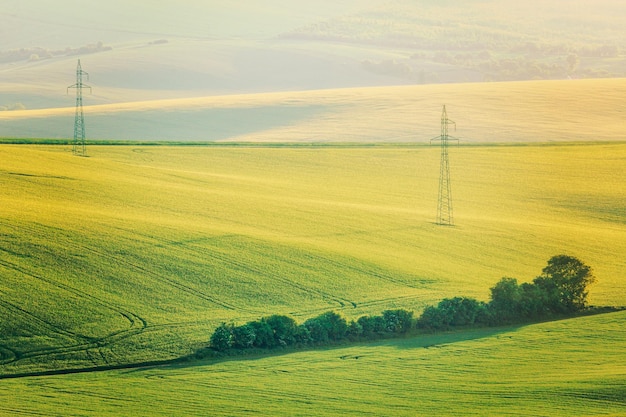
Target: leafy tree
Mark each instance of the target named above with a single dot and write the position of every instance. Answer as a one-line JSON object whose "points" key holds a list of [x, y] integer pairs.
{"points": [[327, 326], [572, 62], [505, 302], [283, 328], [564, 281], [303, 335], [457, 311], [533, 301], [355, 330], [222, 337], [371, 326], [243, 336], [317, 331], [337, 325], [264, 335], [398, 321], [433, 318], [460, 311]]}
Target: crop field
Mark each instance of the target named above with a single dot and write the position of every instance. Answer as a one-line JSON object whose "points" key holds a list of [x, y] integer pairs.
{"points": [[137, 253], [511, 112], [247, 159], [571, 367]]}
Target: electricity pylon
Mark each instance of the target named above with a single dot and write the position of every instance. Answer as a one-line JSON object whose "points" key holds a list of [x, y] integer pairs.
{"points": [[444, 203], [78, 146]]}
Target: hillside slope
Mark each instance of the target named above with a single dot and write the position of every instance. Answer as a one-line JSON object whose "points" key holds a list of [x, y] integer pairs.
{"points": [[531, 111], [140, 50], [137, 253], [572, 367]]}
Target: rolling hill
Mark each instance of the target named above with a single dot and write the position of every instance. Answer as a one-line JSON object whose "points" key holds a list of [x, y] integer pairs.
{"points": [[513, 112], [572, 367], [141, 51], [137, 252], [277, 161]]}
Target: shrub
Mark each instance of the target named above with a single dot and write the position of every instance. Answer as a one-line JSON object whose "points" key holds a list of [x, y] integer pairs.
{"points": [[560, 289], [222, 338], [457, 311], [506, 298], [355, 330], [329, 326], [283, 329], [316, 330], [303, 335], [397, 321], [264, 335], [371, 326], [244, 336], [432, 318]]}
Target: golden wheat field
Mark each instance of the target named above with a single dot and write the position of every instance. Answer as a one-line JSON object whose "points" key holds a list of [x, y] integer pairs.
{"points": [[507, 112]]}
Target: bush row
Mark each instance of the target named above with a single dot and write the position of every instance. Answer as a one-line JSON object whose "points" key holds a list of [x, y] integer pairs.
{"points": [[282, 331], [561, 289]]}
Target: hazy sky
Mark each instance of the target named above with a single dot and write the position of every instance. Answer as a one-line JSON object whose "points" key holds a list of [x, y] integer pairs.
{"points": [[60, 23]]}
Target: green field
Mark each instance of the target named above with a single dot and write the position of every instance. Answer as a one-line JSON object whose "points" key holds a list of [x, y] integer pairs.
{"points": [[247, 159], [136, 253], [573, 367]]}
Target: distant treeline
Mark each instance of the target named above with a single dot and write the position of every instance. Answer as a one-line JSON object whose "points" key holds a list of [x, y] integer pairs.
{"points": [[36, 53], [560, 290]]}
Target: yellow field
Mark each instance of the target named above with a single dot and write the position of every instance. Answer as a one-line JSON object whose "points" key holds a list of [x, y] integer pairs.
{"points": [[531, 111], [137, 253]]}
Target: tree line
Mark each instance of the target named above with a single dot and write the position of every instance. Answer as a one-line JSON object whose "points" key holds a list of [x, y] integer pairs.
{"points": [[560, 290]]}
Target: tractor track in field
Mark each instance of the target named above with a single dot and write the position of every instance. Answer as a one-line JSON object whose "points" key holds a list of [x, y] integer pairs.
{"points": [[243, 266], [83, 343], [137, 324], [380, 301], [121, 260], [7, 355], [369, 303], [321, 294], [92, 347], [134, 319], [176, 284]]}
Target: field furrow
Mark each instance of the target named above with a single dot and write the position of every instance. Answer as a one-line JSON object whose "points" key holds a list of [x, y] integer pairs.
{"points": [[126, 256]]}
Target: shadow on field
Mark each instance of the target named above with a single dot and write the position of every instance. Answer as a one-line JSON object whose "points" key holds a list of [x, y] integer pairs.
{"points": [[208, 357], [442, 339]]}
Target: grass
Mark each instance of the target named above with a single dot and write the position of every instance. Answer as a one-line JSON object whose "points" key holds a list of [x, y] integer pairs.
{"points": [[137, 253], [570, 367]]}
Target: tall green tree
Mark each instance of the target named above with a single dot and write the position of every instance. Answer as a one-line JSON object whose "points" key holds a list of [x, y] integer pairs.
{"points": [[284, 329], [505, 302], [222, 337], [564, 282]]}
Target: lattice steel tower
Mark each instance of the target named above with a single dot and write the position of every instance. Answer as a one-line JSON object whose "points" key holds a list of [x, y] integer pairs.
{"points": [[78, 146], [444, 204]]}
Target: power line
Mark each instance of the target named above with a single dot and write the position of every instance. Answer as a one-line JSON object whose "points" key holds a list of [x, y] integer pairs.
{"points": [[78, 145], [444, 203]]}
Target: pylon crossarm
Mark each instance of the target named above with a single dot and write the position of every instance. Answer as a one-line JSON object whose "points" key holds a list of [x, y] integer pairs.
{"points": [[78, 146], [444, 201]]}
